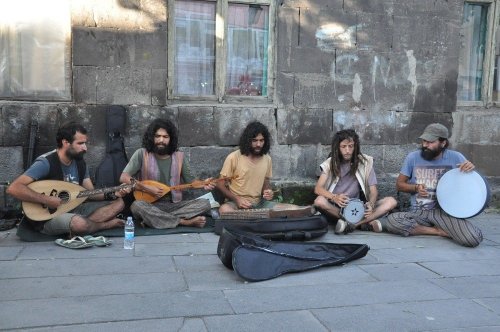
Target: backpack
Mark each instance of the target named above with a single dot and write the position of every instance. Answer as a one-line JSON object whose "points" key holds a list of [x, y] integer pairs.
{"points": [[109, 170]]}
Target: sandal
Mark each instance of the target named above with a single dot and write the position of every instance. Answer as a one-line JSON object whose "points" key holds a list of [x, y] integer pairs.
{"points": [[98, 241], [76, 242]]}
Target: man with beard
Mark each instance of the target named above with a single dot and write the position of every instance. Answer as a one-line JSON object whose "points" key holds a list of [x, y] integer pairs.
{"points": [[66, 163], [349, 174], [250, 168], [159, 160], [419, 176]]}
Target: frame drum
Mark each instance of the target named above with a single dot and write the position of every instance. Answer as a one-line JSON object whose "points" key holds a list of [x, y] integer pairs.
{"points": [[462, 195], [354, 211]]}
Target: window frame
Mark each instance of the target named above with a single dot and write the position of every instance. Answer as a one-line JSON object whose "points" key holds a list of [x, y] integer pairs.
{"points": [[489, 56], [221, 32]]}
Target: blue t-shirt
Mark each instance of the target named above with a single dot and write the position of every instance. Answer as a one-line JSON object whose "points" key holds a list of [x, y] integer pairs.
{"points": [[41, 167], [428, 173]]}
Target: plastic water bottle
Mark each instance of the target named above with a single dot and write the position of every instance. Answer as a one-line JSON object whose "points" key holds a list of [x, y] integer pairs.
{"points": [[128, 241]]}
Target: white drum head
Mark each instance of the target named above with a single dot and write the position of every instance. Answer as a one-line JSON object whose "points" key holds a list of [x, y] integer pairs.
{"points": [[462, 195], [354, 211]]}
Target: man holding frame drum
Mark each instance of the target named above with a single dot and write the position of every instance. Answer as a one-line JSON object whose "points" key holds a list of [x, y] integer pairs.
{"points": [[419, 176], [348, 178]]}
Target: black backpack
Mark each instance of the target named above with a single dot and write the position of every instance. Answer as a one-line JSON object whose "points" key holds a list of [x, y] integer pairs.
{"points": [[109, 170]]}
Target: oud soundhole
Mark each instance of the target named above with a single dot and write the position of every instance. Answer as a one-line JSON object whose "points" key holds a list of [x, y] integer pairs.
{"points": [[64, 196]]}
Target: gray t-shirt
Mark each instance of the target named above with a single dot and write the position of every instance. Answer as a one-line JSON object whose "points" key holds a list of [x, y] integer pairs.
{"points": [[348, 184]]}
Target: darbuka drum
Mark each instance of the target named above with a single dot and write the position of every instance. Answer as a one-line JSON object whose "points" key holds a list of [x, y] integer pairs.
{"points": [[354, 211], [462, 195]]}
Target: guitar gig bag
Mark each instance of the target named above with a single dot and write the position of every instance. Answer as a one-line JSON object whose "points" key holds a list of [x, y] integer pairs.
{"points": [[109, 170], [257, 259], [282, 229]]}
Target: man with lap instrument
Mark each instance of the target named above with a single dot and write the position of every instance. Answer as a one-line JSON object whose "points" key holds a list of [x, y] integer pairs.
{"points": [[160, 161], [66, 163], [419, 176], [349, 175], [251, 169]]}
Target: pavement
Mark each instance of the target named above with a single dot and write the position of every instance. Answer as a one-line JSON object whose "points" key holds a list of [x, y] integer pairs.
{"points": [[177, 283]]}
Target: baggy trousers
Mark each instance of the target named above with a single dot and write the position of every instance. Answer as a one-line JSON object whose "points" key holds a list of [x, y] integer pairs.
{"points": [[460, 230], [165, 214]]}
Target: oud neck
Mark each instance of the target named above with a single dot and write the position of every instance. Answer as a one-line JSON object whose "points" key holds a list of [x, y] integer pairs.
{"points": [[93, 192], [182, 186]]}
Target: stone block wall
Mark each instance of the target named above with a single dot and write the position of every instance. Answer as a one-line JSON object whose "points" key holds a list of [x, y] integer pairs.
{"points": [[385, 68]]}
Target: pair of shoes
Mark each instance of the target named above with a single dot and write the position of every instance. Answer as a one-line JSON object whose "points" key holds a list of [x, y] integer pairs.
{"points": [[372, 226], [343, 227], [98, 241], [87, 241], [76, 242]]}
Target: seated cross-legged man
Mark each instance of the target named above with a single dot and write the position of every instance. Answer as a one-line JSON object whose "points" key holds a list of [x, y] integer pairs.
{"points": [[250, 170], [160, 161], [66, 163], [348, 174], [419, 176]]}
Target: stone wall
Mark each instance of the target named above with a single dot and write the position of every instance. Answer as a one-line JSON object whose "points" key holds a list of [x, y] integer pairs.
{"points": [[386, 68]]}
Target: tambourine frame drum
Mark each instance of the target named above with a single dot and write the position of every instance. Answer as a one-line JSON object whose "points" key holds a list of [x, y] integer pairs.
{"points": [[462, 194], [354, 211]]}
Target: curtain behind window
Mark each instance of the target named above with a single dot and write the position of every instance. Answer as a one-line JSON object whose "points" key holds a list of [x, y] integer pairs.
{"points": [[194, 48], [248, 33], [35, 57], [470, 71]]}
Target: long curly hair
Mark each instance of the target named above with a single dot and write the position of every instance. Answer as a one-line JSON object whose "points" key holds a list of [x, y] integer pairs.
{"points": [[336, 156], [68, 131], [148, 140], [251, 131]]}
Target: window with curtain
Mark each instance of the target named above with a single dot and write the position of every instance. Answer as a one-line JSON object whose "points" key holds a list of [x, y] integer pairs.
{"points": [[496, 64], [472, 53], [248, 29], [35, 58], [194, 48], [221, 48]]}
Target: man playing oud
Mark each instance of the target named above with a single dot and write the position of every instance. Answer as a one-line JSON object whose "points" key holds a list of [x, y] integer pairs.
{"points": [[160, 161], [66, 163]]}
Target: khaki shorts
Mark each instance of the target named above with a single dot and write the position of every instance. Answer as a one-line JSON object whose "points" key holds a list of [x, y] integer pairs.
{"points": [[62, 224]]}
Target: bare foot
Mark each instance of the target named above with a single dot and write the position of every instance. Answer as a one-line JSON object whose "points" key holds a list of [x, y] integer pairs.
{"points": [[195, 222], [441, 232], [115, 223]]}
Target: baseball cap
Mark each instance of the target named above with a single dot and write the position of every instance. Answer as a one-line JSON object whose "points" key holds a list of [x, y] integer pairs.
{"points": [[434, 131]]}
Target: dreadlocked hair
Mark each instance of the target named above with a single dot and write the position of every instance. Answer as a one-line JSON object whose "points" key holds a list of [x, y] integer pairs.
{"points": [[148, 140], [251, 131], [336, 156]]}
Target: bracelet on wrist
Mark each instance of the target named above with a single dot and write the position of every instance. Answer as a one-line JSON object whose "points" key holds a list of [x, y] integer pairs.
{"points": [[110, 196]]}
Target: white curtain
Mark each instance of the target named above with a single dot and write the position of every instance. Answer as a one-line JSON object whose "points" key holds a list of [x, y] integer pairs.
{"points": [[472, 52], [248, 31], [195, 48], [35, 58]]}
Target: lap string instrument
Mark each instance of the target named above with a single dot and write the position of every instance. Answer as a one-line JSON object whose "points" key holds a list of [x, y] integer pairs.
{"points": [[147, 197], [462, 194], [249, 214], [71, 195]]}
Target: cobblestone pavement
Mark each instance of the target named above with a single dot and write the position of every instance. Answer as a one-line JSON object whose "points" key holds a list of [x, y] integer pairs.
{"points": [[177, 283]]}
